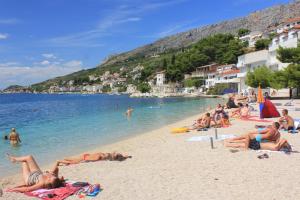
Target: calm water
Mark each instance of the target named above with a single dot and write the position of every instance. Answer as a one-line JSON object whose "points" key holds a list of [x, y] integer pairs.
{"points": [[55, 126]]}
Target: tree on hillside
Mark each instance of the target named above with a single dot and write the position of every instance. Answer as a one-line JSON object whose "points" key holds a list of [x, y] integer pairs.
{"points": [[219, 48], [260, 76], [289, 55], [144, 87], [262, 44], [173, 58], [243, 32], [290, 76]]}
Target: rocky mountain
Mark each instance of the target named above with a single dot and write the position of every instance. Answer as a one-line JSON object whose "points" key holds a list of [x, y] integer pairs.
{"points": [[264, 20]]}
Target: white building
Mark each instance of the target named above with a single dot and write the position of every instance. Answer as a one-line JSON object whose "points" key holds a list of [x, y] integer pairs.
{"points": [[250, 61], [223, 74], [286, 39], [251, 38], [288, 24], [160, 78], [131, 89]]}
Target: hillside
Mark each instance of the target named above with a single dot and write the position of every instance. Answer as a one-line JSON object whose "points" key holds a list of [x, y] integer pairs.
{"points": [[264, 21]]}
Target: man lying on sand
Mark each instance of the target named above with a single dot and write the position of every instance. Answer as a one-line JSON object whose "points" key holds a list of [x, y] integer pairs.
{"points": [[286, 122], [33, 177], [267, 139], [94, 157]]}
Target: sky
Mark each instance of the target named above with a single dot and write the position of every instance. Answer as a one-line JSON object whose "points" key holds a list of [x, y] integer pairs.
{"points": [[42, 39]]}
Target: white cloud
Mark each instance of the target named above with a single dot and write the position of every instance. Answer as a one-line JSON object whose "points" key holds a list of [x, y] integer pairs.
{"points": [[45, 62], [49, 55], [9, 21], [3, 36], [14, 73], [126, 12]]}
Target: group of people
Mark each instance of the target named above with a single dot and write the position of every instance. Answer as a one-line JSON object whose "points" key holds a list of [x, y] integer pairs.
{"points": [[265, 137], [34, 178], [218, 118]]}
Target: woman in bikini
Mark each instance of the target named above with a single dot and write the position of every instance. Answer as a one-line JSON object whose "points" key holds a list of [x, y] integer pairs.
{"points": [[94, 157], [14, 137], [33, 177]]}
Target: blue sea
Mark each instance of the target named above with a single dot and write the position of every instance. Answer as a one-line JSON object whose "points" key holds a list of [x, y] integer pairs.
{"points": [[55, 126]]}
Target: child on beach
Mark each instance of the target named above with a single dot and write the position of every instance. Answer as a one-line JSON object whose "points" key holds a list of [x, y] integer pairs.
{"points": [[94, 157], [33, 177]]}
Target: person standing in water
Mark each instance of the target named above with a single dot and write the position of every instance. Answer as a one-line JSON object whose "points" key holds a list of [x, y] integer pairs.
{"points": [[129, 112], [14, 137]]}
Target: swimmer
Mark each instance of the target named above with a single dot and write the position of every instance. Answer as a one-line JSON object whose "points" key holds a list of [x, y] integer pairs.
{"points": [[14, 137], [129, 112]]}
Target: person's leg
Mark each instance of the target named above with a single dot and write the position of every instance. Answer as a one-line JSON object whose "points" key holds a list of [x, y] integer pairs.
{"points": [[73, 160], [93, 157], [236, 145], [237, 139], [29, 160], [268, 146], [25, 172]]}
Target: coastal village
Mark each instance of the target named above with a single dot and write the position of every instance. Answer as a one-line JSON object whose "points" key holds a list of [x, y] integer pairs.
{"points": [[285, 35], [233, 136]]}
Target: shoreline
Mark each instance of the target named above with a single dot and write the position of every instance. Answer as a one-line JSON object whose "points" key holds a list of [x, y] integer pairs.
{"points": [[166, 166], [124, 139]]}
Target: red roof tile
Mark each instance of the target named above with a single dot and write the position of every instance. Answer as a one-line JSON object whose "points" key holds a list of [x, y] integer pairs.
{"points": [[291, 20]]}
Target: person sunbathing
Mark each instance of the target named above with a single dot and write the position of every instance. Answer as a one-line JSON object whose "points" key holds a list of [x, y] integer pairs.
{"points": [[286, 122], [219, 111], [237, 112], [33, 177], [245, 112], [254, 139], [94, 157], [223, 122], [203, 122]]}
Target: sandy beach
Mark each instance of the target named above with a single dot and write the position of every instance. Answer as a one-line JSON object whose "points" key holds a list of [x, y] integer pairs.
{"points": [[166, 166]]}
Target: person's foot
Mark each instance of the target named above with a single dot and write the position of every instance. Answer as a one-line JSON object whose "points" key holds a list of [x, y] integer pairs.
{"points": [[11, 158]]}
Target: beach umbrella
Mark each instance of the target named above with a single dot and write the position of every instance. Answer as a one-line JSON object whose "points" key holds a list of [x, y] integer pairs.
{"points": [[260, 100]]}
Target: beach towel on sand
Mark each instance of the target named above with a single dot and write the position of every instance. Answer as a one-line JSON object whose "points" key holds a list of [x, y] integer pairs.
{"points": [[59, 193], [207, 138]]}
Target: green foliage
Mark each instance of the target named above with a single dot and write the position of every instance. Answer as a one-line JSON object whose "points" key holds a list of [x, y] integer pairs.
{"points": [[193, 82], [122, 88], [288, 77], [262, 44], [289, 55], [219, 48], [144, 87], [218, 89], [262, 76], [243, 32], [106, 89]]}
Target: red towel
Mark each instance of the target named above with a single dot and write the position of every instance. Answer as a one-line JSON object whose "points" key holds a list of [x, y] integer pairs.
{"points": [[54, 194]]}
